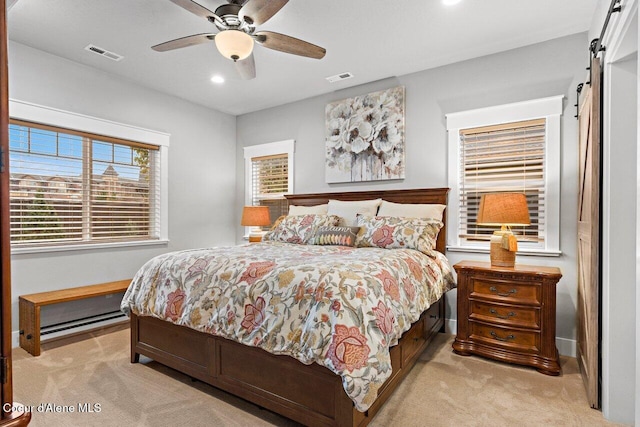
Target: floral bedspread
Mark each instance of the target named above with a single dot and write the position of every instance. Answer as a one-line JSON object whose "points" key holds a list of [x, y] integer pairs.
{"points": [[340, 307]]}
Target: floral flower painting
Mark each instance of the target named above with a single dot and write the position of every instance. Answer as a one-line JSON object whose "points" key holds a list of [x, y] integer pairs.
{"points": [[365, 137]]}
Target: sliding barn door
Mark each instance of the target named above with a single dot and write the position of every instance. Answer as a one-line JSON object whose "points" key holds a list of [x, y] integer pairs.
{"points": [[589, 236], [5, 248], [10, 417]]}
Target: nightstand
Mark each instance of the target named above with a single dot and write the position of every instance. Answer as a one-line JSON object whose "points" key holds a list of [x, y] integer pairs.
{"points": [[508, 314]]}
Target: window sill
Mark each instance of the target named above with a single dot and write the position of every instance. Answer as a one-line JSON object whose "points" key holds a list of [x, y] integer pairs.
{"points": [[523, 252], [87, 246]]}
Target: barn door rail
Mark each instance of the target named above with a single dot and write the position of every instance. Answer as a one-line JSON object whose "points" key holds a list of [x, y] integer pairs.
{"points": [[595, 47]]}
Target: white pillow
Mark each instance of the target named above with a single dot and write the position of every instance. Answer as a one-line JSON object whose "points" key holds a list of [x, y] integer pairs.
{"points": [[349, 210], [308, 210], [411, 210]]}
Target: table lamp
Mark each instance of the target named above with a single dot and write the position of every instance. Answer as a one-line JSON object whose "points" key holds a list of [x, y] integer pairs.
{"points": [[505, 210], [255, 217]]}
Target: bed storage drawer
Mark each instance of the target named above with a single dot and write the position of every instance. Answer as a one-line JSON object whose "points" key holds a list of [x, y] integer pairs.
{"points": [[414, 341], [191, 351], [433, 316], [237, 367]]}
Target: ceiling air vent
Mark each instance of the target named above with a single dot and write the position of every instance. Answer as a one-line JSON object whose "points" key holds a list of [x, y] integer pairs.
{"points": [[338, 77], [103, 52]]}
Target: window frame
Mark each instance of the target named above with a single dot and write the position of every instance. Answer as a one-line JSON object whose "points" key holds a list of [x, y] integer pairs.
{"points": [[29, 112], [269, 149], [549, 109]]}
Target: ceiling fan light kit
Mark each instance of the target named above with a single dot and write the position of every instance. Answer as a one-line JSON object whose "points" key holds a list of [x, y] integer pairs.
{"points": [[234, 44], [237, 26]]}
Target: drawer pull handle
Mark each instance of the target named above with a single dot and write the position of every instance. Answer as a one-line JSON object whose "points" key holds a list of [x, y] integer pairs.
{"points": [[509, 314], [499, 338], [503, 294]]}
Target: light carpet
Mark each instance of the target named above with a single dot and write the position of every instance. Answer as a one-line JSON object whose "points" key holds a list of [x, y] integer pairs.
{"points": [[443, 389]]}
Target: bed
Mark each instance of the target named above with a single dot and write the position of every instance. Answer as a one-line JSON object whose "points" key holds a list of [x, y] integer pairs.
{"points": [[279, 382]]}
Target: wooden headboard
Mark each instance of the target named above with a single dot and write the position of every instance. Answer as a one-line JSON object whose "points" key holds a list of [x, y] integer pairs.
{"points": [[425, 195]]}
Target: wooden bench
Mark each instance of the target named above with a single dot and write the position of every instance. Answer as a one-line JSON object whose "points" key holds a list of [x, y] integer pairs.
{"points": [[29, 308]]}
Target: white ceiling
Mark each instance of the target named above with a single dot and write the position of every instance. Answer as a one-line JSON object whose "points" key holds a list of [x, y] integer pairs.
{"points": [[373, 39]]}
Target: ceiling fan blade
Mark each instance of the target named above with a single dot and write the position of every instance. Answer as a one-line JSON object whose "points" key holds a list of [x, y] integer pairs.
{"points": [[260, 11], [184, 42], [196, 9], [246, 68], [289, 44]]}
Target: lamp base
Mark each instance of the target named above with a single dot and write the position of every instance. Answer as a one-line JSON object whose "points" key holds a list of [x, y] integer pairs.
{"points": [[257, 238], [501, 257]]}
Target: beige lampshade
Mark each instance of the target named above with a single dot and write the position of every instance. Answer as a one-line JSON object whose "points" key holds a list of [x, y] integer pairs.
{"points": [[234, 44], [503, 209], [255, 216]]}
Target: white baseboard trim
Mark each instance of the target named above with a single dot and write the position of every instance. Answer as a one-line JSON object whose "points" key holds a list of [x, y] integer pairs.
{"points": [[15, 339], [566, 347], [450, 326]]}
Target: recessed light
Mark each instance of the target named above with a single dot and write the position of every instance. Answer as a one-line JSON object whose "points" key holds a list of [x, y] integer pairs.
{"points": [[217, 79], [450, 2]]}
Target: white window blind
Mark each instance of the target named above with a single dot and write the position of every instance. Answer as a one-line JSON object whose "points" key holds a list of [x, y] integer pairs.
{"points": [[69, 187], [502, 158], [270, 182]]}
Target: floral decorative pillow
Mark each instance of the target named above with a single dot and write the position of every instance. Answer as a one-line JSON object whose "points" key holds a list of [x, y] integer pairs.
{"points": [[338, 236], [299, 228], [396, 232], [277, 222]]}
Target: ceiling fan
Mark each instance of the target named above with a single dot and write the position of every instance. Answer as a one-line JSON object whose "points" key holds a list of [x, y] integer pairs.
{"points": [[237, 23]]}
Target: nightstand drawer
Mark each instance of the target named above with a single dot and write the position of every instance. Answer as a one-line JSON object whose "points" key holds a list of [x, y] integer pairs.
{"points": [[507, 338], [500, 290], [509, 315]]}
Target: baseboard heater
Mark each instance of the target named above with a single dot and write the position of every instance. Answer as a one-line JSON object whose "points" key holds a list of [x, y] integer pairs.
{"points": [[82, 324], [70, 318]]}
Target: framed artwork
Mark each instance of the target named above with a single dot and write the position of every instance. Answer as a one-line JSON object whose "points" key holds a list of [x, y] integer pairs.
{"points": [[365, 137]]}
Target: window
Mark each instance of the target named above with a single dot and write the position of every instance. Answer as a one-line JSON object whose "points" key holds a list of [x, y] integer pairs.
{"points": [[72, 189], [510, 148], [269, 176]]}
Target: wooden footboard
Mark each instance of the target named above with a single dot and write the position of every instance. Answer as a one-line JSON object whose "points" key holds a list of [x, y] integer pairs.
{"points": [[278, 383]]}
